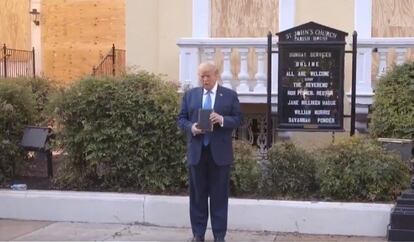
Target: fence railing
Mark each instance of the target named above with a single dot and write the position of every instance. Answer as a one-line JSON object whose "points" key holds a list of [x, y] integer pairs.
{"points": [[17, 63], [113, 64]]}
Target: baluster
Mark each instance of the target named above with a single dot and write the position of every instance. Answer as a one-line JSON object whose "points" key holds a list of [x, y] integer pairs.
{"points": [[226, 75], [260, 75], [209, 54], [243, 75], [382, 67], [400, 55]]}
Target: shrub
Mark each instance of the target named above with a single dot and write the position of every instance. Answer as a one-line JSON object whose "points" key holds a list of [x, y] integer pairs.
{"points": [[246, 172], [359, 169], [121, 134], [17, 104], [290, 171], [43, 89], [393, 109]]}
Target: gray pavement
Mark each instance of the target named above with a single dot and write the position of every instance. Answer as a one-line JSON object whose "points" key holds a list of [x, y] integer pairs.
{"points": [[19, 230]]}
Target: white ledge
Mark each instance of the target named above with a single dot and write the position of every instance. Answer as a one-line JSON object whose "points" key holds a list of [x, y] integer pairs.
{"points": [[361, 219], [224, 42], [403, 42]]}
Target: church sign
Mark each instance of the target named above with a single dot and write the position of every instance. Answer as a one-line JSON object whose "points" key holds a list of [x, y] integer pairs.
{"points": [[311, 78]]}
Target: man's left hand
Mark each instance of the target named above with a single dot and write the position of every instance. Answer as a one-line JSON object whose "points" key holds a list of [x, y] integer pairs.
{"points": [[216, 118]]}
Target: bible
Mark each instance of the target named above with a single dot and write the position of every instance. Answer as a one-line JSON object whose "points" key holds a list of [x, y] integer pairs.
{"points": [[204, 123]]}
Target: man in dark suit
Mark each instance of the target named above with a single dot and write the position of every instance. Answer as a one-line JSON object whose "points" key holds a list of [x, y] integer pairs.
{"points": [[209, 154]]}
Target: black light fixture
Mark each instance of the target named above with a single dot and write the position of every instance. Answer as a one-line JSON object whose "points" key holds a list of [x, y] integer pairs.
{"points": [[35, 16]]}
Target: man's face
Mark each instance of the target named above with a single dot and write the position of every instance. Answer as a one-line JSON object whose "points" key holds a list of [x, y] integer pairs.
{"points": [[208, 77]]}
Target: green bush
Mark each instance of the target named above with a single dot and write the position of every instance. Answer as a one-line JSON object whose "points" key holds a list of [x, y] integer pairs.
{"points": [[43, 89], [246, 172], [121, 134], [289, 172], [393, 108], [359, 169], [17, 104]]}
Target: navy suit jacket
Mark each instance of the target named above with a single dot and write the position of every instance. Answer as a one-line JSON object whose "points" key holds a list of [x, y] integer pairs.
{"points": [[226, 104]]}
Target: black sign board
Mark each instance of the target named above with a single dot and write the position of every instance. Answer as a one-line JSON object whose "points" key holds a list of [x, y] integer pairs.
{"points": [[311, 77]]}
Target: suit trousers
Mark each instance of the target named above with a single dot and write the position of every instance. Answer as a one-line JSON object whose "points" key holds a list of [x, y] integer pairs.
{"points": [[207, 179]]}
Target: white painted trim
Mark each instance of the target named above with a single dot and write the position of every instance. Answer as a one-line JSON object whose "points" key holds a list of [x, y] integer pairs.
{"points": [[36, 36], [361, 219], [287, 13], [201, 18], [386, 42], [224, 42], [363, 18]]}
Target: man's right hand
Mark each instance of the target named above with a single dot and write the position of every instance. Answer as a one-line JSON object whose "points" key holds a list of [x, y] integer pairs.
{"points": [[196, 130]]}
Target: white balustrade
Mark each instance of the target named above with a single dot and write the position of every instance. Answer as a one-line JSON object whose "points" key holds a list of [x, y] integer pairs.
{"points": [[366, 46], [251, 90], [195, 50]]}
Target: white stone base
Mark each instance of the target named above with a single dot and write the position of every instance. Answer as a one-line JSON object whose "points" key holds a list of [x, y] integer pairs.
{"points": [[364, 219]]}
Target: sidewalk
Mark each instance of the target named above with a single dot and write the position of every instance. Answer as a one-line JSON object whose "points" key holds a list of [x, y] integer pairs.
{"points": [[18, 230]]}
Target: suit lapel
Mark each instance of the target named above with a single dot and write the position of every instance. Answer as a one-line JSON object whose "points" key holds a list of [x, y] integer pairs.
{"points": [[199, 97], [219, 96]]}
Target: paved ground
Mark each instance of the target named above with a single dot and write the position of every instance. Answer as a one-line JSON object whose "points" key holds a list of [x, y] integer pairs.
{"points": [[17, 230]]}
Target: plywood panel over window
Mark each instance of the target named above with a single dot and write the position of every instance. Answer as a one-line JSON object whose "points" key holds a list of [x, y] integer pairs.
{"points": [[77, 34], [244, 18], [393, 18], [15, 24]]}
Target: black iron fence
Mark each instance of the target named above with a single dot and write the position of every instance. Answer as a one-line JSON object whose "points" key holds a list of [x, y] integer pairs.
{"points": [[17, 63], [113, 64]]}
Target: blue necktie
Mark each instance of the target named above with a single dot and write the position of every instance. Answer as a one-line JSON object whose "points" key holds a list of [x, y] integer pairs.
{"points": [[207, 105]]}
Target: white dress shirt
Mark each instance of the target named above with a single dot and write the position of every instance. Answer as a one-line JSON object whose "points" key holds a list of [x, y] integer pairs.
{"points": [[213, 93]]}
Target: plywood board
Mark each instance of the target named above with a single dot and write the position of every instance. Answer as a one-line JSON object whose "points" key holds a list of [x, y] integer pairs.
{"points": [[77, 34], [15, 24], [393, 18], [244, 18]]}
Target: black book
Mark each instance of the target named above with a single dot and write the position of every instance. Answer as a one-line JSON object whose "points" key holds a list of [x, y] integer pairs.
{"points": [[204, 123]]}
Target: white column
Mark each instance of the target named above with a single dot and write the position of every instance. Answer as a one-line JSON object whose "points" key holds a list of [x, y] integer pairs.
{"points": [[382, 66], [400, 55], [363, 81], [226, 75], [363, 26], [243, 75], [201, 18], [260, 75], [363, 18], [275, 72], [189, 61], [287, 12], [36, 36]]}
